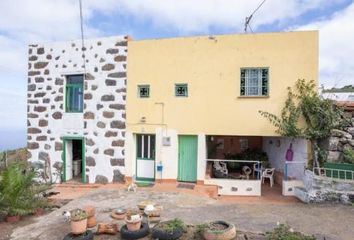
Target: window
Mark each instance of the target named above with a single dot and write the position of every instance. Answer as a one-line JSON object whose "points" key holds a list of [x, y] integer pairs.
{"points": [[144, 91], [254, 81], [74, 93], [181, 90], [145, 146]]}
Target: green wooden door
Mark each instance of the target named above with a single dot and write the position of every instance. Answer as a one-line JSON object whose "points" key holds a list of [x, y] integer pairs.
{"points": [[187, 158]]}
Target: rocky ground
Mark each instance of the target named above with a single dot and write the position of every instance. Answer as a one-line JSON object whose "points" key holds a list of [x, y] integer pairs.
{"points": [[252, 220]]}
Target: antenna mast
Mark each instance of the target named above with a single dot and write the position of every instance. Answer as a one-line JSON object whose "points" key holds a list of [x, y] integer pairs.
{"points": [[248, 19], [83, 49]]}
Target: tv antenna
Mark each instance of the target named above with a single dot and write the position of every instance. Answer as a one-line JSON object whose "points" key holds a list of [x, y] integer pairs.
{"points": [[248, 19], [83, 49]]}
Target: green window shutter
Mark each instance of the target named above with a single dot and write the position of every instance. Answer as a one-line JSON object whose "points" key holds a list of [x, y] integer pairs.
{"points": [[74, 94], [243, 82], [265, 81]]}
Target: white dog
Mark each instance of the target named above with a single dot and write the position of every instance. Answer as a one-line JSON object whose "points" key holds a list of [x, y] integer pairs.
{"points": [[132, 187]]}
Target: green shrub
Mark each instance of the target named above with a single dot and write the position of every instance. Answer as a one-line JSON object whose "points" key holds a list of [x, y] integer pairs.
{"points": [[348, 155], [173, 225], [283, 232], [19, 195]]}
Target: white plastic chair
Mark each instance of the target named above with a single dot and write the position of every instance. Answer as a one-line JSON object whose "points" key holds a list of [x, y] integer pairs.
{"points": [[221, 166], [268, 173], [246, 172]]}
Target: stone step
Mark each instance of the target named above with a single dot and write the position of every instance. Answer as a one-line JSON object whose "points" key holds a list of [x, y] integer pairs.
{"points": [[77, 185]]}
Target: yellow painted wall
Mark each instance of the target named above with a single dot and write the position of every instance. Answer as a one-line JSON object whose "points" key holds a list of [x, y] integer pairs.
{"points": [[211, 67]]}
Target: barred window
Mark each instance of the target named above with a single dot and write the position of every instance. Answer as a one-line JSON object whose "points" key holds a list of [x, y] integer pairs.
{"points": [[254, 81]]}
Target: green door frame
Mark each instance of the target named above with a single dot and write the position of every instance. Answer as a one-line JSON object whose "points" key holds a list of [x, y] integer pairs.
{"points": [[83, 163], [148, 159], [179, 174]]}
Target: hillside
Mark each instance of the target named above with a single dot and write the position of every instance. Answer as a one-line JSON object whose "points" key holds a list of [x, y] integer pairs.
{"points": [[13, 155]]}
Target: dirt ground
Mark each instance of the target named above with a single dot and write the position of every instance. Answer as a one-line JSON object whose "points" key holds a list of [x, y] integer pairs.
{"points": [[323, 221]]}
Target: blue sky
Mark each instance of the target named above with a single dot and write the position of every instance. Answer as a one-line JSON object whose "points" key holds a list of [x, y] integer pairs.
{"points": [[30, 21]]}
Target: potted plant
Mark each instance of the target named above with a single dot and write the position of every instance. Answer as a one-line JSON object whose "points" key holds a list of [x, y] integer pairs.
{"points": [[169, 230], [133, 220], [19, 195], [219, 230], [78, 221]]}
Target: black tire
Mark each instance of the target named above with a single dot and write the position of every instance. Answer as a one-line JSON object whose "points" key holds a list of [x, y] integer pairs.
{"points": [[88, 235], [128, 235], [162, 235]]}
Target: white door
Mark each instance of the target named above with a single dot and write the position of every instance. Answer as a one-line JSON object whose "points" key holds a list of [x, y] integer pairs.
{"points": [[145, 160], [69, 159]]}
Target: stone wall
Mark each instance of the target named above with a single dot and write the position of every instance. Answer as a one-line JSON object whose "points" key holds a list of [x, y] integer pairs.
{"points": [[102, 122], [338, 141], [319, 189]]}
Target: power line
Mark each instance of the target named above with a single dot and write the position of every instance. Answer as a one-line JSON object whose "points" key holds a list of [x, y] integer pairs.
{"points": [[248, 19]]}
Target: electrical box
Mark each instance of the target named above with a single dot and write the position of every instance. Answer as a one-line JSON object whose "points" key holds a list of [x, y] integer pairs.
{"points": [[166, 141]]}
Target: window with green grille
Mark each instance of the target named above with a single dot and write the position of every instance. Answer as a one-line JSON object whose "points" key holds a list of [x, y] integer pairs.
{"points": [[144, 91], [254, 81], [181, 90], [74, 89]]}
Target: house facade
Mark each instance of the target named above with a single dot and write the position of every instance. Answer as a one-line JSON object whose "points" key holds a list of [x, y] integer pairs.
{"points": [[76, 109], [185, 93], [167, 109]]}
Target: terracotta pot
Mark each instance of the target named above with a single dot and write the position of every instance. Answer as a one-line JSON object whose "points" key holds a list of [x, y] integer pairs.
{"points": [[13, 219], [78, 227], [223, 234], [39, 212], [91, 222], [107, 228], [133, 225], [90, 210], [118, 216], [143, 204]]}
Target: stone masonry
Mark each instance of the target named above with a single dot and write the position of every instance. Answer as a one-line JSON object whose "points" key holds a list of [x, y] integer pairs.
{"points": [[336, 144], [102, 123]]}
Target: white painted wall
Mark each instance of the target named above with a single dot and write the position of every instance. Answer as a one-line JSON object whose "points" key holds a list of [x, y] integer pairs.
{"points": [[166, 155], [276, 154], [236, 187], [288, 187], [65, 58]]}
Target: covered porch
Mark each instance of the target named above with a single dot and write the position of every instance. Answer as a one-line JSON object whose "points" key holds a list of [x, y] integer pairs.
{"points": [[255, 165]]}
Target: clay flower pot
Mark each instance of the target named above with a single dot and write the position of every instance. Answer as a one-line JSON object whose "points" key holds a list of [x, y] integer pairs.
{"points": [[91, 222], [90, 210], [119, 214], [142, 205], [39, 212], [13, 219], [219, 230], [133, 224], [78, 227]]}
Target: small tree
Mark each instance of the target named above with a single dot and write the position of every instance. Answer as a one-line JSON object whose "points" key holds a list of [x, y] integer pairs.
{"points": [[320, 115]]}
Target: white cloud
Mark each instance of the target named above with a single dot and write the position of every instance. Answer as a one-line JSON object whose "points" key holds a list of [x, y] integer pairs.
{"points": [[336, 47], [199, 15]]}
